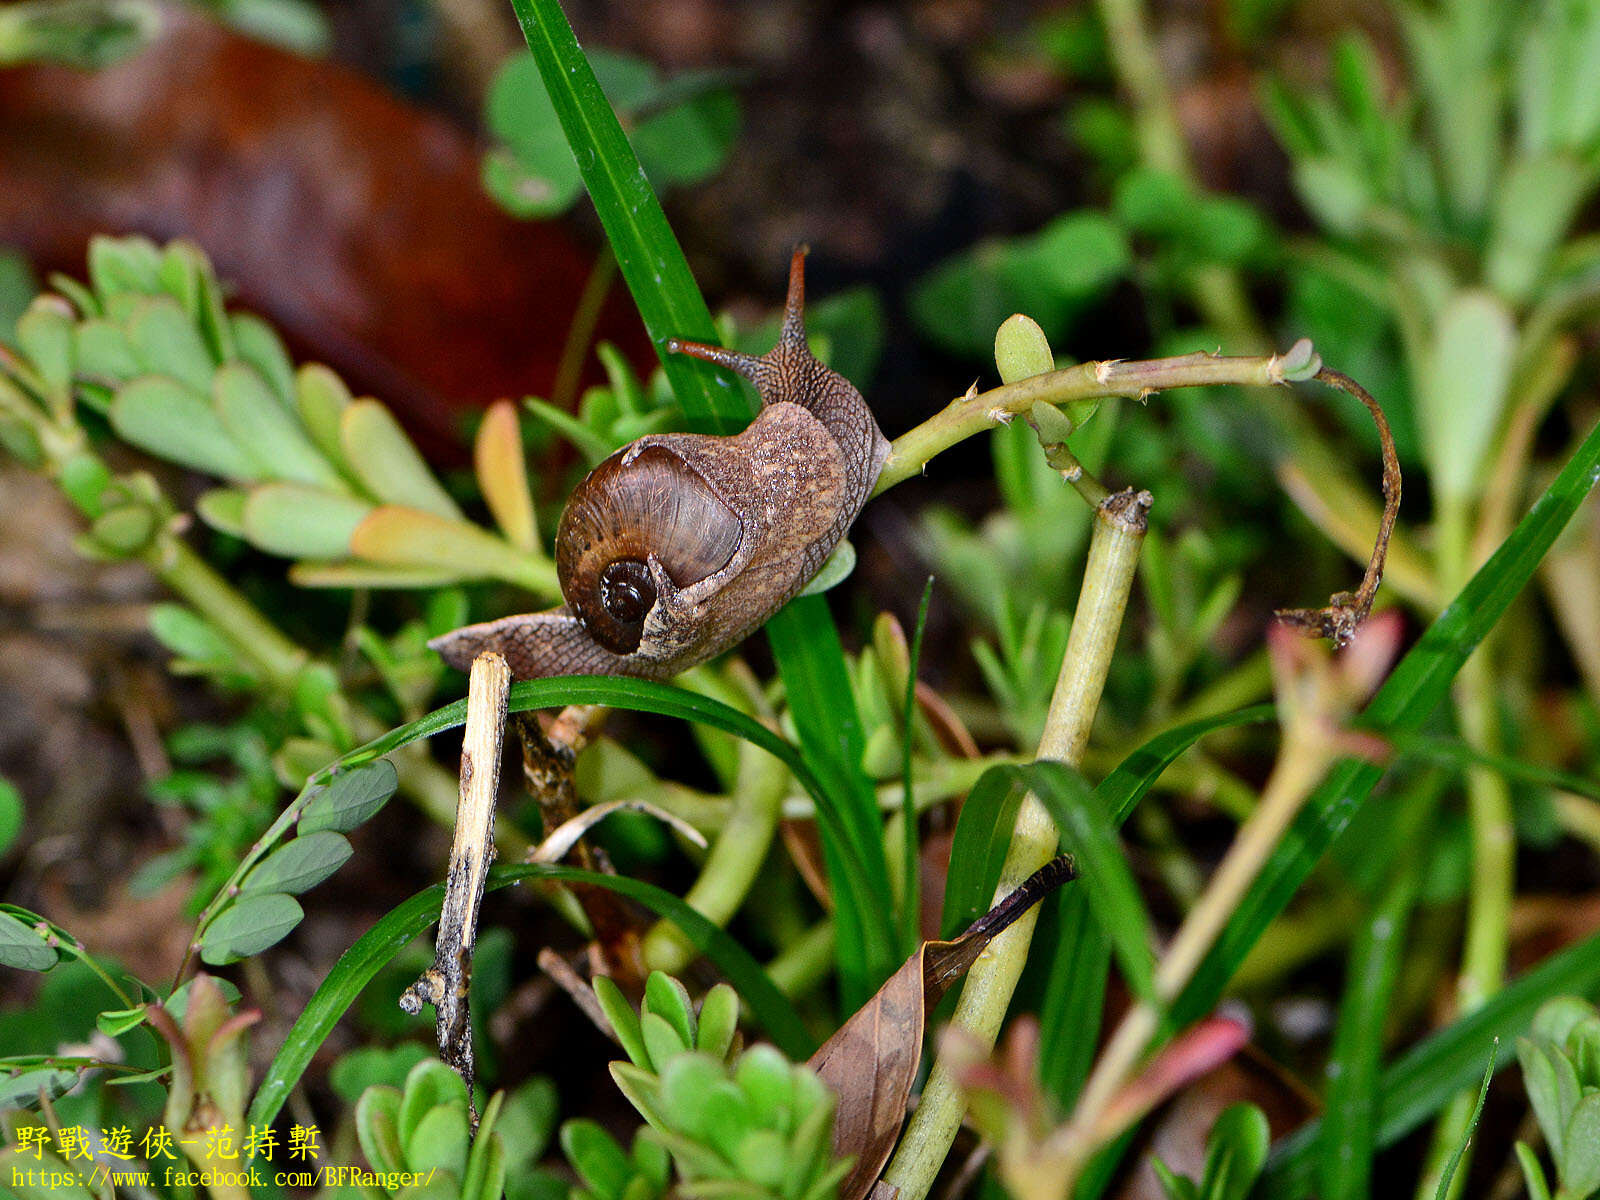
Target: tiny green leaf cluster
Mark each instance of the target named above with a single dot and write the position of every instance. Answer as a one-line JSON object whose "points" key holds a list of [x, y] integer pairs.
{"points": [[262, 911], [425, 1128], [1560, 1060], [612, 414], [746, 1124]]}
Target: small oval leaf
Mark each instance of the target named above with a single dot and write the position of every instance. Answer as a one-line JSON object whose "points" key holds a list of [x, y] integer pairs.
{"points": [[249, 927], [350, 798], [299, 865], [22, 947]]}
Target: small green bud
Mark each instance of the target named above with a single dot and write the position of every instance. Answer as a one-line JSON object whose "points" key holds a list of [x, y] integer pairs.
{"points": [[1021, 349], [669, 999]]}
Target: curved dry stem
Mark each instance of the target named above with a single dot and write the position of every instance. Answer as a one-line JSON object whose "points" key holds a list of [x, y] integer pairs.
{"points": [[1345, 611], [977, 412]]}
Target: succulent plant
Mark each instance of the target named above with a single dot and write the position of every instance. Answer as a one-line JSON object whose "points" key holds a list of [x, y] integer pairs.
{"points": [[737, 1122], [1560, 1060]]}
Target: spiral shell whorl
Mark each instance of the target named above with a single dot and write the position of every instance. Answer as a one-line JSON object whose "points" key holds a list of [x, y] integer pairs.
{"points": [[632, 506]]}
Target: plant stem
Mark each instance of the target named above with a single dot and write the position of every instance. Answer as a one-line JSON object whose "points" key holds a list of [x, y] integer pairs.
{"points": [[580, 334], [979, 411], [197, 582], [1119, 529], [734, 862], [805, 962], [1302, 764], [1217, 290], [1138, 68]]}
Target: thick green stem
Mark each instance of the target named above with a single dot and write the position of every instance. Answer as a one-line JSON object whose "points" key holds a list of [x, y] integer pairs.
{"points": [[194, 579], [734, 862], [1108, 578]]}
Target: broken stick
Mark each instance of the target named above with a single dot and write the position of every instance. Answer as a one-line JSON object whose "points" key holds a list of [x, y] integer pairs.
{"points": [[445, 985]]}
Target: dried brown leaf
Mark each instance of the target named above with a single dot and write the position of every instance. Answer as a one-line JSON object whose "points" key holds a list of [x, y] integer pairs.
{"points": [[871, 1062]]}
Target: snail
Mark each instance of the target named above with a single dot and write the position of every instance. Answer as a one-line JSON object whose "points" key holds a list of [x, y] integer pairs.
{"points": [[680, 545]]}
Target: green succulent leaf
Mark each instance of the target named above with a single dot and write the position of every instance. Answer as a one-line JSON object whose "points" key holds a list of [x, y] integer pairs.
{"points": [[439, 1140], [387, 464], [165, 342], [429, 1085], [257, 344], [1580, 1163], [669, 999], [378, 1127], [662, 1040], [597, 1158], [259, 422], [174, 422], [297, 521], [624, 1020], [719, 1019]]}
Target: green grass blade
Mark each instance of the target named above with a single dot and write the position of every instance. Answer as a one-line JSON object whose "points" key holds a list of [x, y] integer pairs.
{"points": [[804, 640], [647, 251], [811, 660], [1466, 1137], [1073, 1006], [396, 929], [1345, 1155], [978, 849], [1121, 790], [647, 695], [1411, 693], [1453, 752], [1089, 835], [1074, 1000], [1429, 1075], [911, 847]]}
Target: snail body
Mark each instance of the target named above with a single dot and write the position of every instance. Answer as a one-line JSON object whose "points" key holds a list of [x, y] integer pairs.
{"points": [[680, 545]]}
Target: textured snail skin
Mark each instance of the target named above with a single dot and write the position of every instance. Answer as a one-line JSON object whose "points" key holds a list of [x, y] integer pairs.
{"points": [[795, 480]]}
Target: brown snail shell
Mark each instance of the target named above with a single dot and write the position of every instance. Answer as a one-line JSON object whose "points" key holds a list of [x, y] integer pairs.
{"points": [[641, 501], [679, 545]]}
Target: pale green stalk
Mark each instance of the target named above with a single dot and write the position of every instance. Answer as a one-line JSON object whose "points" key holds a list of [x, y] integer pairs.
{"points": [[734, 862], [1303, 763], [1108, 578], [979, 411]]}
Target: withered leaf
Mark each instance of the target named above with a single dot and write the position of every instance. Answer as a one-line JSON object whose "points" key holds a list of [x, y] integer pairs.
{"points": [[871, 1062]]}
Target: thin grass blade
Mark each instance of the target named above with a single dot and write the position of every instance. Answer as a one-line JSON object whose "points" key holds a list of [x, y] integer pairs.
{"points": [[396, 929]]}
